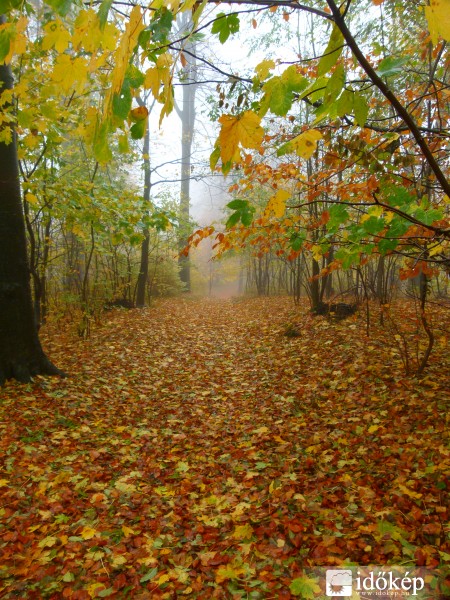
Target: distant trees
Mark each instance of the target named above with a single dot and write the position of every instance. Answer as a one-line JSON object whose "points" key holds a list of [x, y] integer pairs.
{"points": [[349, 142]]}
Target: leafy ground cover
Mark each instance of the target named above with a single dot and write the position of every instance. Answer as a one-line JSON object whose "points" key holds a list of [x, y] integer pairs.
{"points": [[196, 450]]}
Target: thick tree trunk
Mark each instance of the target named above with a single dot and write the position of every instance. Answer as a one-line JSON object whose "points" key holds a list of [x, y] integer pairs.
{"points": [[21, 354]]}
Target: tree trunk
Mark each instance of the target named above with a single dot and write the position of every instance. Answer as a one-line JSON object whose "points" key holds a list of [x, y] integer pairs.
{"points": [[187, 116], [143, 269], [21, 354]]}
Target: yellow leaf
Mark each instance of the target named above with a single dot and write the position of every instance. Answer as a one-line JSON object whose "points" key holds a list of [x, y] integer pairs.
{"points": [[48, 542], [388, 216], [163, 579], [123, 53], [152, 81], [263, 68], [375, 211], [92, 589], [279, 439], [31, 199], [243, 532], [88, 34], [56, 35], [438, 17], [127, 530], [16, 34], [261, 430], [242, 130], [118, 560], [435, 249], [127, 488], [88, 533], [277, 203], [305, 144], [373, 428], [316, 251], [164, 60], [3, 482], [408, 492], [225, 572], [68, 72]]}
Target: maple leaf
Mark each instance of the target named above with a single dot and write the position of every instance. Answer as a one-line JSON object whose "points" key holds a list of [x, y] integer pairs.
{"points": [[56, 35], [303, 145], [277, 203], [306, 587], [438, 17], [243, 532], [88, 532], [241, 130], [263, 69], [229, 571]]}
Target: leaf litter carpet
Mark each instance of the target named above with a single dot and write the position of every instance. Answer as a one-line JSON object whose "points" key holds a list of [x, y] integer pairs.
{"points": [[198, 452]]}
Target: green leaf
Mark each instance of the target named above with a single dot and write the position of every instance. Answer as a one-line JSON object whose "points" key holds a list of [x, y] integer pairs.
{"points": [[360, 109], [160, 26], [149, 575], [138, 129], [238, 204], [225, 26], [105, 593], [332, 51], [233, 220], [344, 104], [121, 103], [134, 77], [102, 151], [374, 225], [348, 257], [214, 158], [398, 227], [338, 216], [428, 217], [247, 217], [385, 245], [297, 240], [335, 84], [5, 41], [391, 66], [62, 7], [306, 587], [8, 5], [399, 196], [279, 91], [103, 12]]}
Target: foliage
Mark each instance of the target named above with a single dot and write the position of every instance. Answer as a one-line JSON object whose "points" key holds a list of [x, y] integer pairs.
{"points": [[190, 455]]}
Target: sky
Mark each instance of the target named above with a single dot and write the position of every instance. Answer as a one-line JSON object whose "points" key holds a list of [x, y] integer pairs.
{"points": [[209, 195]]}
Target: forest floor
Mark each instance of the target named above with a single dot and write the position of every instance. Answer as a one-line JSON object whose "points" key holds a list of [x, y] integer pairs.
{"points": [[197, 451]]}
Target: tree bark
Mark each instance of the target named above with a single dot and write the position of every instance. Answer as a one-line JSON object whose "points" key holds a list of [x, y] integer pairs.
{"points": [[143, 269], [21, 354], [187, 116]]}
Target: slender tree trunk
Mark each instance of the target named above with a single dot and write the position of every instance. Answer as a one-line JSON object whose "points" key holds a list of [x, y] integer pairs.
{"points": [[187, 116], [21, 354], [143, 269]]}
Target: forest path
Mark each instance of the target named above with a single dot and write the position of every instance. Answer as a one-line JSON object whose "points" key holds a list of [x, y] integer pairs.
{"points": [[196, 450]]}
